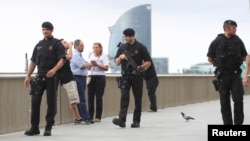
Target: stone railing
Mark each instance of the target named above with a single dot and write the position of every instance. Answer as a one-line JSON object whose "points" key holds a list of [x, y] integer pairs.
{"points": [[173, 90]]}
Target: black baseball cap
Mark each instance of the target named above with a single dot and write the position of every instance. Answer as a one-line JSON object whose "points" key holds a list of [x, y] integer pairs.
{"points": [[47, 25]]}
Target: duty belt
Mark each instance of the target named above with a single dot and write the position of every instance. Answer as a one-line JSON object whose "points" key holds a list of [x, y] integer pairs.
{"points": [[128, 73], [230, 70], [41, 75]]}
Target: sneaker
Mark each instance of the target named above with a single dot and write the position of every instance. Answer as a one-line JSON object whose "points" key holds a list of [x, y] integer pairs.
{"points": [[97, 120], [119, 122], [135, 125], [89, 121], [78, 121], [32, 131]]}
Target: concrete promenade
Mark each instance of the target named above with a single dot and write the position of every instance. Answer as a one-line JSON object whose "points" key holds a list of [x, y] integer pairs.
{"points": [[165, 125]]}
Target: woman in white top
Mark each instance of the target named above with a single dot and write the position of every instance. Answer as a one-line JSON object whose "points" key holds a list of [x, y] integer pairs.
{"points": [[100, 64]]}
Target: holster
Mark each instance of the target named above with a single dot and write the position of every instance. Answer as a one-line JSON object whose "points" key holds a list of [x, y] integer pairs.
{"points": [[33, 84], [218, 73], [215, 83], [122, 82], [119, 82], [36, 86]]}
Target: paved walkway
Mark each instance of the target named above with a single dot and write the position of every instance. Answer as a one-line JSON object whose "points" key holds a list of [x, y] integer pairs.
{"points": [[165, 125]]}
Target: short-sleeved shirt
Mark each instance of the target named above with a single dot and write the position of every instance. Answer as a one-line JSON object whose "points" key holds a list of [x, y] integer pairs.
{"points": [[219, 48], [76, 63], [138, 52], [102, 60], [66, 74], [47, 53]]}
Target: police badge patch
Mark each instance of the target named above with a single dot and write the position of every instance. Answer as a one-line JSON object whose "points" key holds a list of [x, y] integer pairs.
{"points": [[38, 48], [50, 47], [136, 51]]}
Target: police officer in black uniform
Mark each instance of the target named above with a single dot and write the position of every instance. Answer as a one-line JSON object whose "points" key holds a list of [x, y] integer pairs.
{"points": [[152, 83], [48, 55], [227, 52], [131, 76]]}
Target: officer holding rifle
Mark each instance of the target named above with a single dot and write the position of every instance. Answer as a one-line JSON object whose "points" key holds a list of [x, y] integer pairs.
{"points": [[129, 54]]}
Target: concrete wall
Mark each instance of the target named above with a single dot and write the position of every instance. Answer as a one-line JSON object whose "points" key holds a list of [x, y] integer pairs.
{"points": [[173, 90]]}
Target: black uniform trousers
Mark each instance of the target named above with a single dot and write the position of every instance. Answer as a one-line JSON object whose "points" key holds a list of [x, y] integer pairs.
{"points": [[230, 82], [152, 84], [50, 85], [136, 82]]}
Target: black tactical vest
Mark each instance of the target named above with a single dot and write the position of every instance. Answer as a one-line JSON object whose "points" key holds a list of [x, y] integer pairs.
{"points": [[228, 53]]}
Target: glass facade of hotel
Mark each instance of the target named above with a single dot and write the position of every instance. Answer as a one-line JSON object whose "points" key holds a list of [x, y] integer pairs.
{"points": [[138, 18]]}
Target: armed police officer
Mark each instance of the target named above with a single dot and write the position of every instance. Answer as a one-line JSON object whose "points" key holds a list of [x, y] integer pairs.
{"points": [[48, 55], [227, 52], [130, 56]]}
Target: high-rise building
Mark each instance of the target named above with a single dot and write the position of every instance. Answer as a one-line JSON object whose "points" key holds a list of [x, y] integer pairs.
{"points": [[138, 18], [161, 65]]}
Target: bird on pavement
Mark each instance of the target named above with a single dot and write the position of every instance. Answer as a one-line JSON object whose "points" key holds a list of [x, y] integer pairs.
{"points": [[186, 117]]}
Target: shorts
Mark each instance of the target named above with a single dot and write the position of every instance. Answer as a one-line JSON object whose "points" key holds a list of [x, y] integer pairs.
{"points": [[71, 90]]}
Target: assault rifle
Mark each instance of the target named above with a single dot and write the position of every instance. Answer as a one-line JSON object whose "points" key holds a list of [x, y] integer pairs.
{"points": [[131, 62]]}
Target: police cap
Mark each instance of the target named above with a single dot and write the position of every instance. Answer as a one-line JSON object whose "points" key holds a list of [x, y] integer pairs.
{"points": [[47, 25], [129, 32], [230, 22]]}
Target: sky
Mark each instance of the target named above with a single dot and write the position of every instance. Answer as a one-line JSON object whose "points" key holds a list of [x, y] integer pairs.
{"points": [[181, 29]]}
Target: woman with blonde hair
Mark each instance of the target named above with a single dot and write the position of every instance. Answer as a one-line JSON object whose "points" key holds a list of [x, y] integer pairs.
{"points": [[96, 87]]}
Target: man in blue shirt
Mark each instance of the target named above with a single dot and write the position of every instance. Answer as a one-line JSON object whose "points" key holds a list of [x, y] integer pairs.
{"points": [[79, 67]]}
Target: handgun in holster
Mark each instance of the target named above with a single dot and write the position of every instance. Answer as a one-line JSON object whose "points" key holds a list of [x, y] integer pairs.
{"points": [[215, 80], [122, 82], [33, 85], [215, 83], [118, 80], [36, 86]]}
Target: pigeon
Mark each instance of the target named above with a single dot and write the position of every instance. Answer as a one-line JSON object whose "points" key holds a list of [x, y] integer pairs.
{"points": [[187, 118]]}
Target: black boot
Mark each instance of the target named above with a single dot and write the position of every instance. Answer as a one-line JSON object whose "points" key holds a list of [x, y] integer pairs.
{"points": [[32, 131], [135, 125], [119, 122], [47, 131]]}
